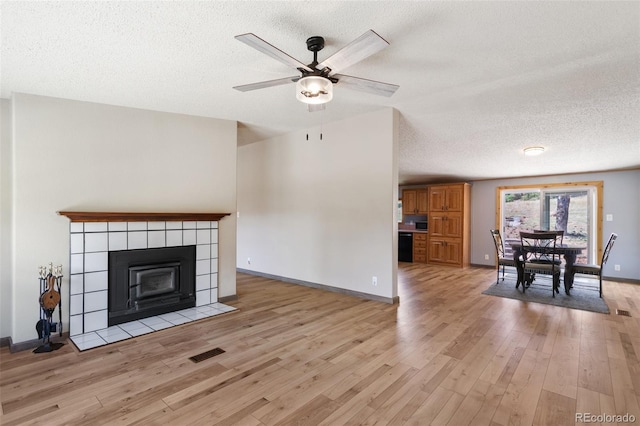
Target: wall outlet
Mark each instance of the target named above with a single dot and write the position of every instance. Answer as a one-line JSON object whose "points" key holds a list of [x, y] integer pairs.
{"points": [[609, 218], [248, 261], [374, 281], [616, 267], [486, 257]]}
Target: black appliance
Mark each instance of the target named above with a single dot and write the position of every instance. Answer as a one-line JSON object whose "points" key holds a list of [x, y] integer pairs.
{"points": [[421, 225], [405, 246]]}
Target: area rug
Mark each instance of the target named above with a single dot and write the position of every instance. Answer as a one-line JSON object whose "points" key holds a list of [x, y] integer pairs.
{"points": [[584, 295]]}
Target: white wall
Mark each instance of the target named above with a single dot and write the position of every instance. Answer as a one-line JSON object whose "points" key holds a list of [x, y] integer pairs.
{"points": [[621, 198], [71, 155], [6, 255], [323, 211]]}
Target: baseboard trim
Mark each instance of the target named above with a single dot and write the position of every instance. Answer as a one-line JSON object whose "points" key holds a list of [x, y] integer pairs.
{"points": [[5, 341], [226, 299], [619, 280], [32, 344], [357, 294]]}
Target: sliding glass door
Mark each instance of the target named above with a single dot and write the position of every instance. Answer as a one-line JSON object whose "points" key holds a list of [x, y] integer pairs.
{"points": [[574, 208]]}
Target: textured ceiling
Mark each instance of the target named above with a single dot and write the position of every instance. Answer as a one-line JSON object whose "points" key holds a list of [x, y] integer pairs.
{"points": [[479, 81]]}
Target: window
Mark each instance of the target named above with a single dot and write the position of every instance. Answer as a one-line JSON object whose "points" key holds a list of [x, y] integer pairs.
{"points": [[575, 208]]}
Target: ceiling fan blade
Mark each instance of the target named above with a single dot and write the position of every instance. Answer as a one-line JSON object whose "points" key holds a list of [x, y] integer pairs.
{"points": [[364, 85], [257, 43], [362, 47], [315, 107], [268, 83]]}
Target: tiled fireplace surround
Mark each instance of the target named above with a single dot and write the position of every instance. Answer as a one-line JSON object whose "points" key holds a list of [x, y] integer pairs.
{"points": [[90, 243]]}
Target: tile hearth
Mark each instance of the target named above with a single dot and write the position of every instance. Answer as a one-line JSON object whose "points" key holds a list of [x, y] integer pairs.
{"points": [[139, 327]]}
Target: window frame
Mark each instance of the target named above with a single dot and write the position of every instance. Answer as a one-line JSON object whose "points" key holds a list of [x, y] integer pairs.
{"points": [[597, 220]]}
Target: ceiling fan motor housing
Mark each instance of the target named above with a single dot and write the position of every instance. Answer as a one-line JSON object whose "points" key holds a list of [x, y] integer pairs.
{"points": [[315, 43]]}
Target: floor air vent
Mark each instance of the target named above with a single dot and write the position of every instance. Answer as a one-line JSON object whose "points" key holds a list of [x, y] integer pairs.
{"points": [[624, 313], [206, 355]]}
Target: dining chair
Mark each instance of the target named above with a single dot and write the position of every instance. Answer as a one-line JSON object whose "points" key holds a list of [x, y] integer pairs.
{"points": [[502, 260], [592, 269], [540, 257], [560, 233]]}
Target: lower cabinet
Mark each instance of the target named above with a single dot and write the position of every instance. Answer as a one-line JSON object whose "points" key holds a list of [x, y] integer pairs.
{"points": [[419, 247], [444, 250]]}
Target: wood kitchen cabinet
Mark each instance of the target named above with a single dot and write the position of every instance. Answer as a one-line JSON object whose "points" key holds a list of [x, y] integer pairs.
{"points": [[449, 232], [420, 247], [415, 201]]}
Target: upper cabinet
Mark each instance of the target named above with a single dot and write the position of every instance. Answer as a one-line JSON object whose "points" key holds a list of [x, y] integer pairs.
{"points": [[415, 201], [447, 198]]}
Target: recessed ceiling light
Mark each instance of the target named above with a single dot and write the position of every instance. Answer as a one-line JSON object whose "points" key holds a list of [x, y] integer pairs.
{"points": [[533, 150]]}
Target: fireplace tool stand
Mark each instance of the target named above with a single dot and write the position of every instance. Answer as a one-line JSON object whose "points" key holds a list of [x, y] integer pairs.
{"points": [[50, 279]]}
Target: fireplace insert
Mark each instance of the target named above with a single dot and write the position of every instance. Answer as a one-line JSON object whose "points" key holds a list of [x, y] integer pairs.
{"points": [[148, 282]]}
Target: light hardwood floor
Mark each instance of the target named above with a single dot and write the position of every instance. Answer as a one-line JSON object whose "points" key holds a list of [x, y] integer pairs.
{"points": [[446, 354]]}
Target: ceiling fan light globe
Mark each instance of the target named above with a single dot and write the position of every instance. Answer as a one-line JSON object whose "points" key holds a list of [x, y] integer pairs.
{"points": [[314, 90]]}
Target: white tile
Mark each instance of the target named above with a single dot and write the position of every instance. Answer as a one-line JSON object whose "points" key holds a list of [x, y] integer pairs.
{"points": [[174, 225], [155, 226], [214, 295], [180, 320], [214, 265], [203, 225], [207, 309], [117, 241], [156, 238], [75, 227], [94, 262], [162, 326], [113, 334], [91, 345], [95, 227], [75, 325], [137, 240], [203, 297], [131, 325], [188, 225], [197, 315], [203, 282], [222, 307], [87, 337], [95, 320], [136, 226], [95, 281], [214, 251], [140, 331], [76, 284], [117, 226], [174, 238], [95, 242], [214, 280], [77, 264], [96, 301], [203, 236], [203, 267], [170, 316], [77, 243], [214, 236], [75, 304], [188, 237], [151, 321], [203, 251]]}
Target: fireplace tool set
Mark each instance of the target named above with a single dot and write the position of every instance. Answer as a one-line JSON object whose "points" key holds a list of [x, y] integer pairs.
{"points": [[50, 278]]}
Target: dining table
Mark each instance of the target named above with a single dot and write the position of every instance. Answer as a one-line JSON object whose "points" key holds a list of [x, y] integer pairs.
{"points": [[569, 252]]}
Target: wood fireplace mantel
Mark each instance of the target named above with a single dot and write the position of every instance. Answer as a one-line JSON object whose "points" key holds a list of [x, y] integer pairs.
{"points": [[139, 217]]}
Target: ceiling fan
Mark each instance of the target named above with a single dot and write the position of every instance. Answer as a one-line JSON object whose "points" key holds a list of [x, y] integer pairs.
{"points": [[315, 84]]}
